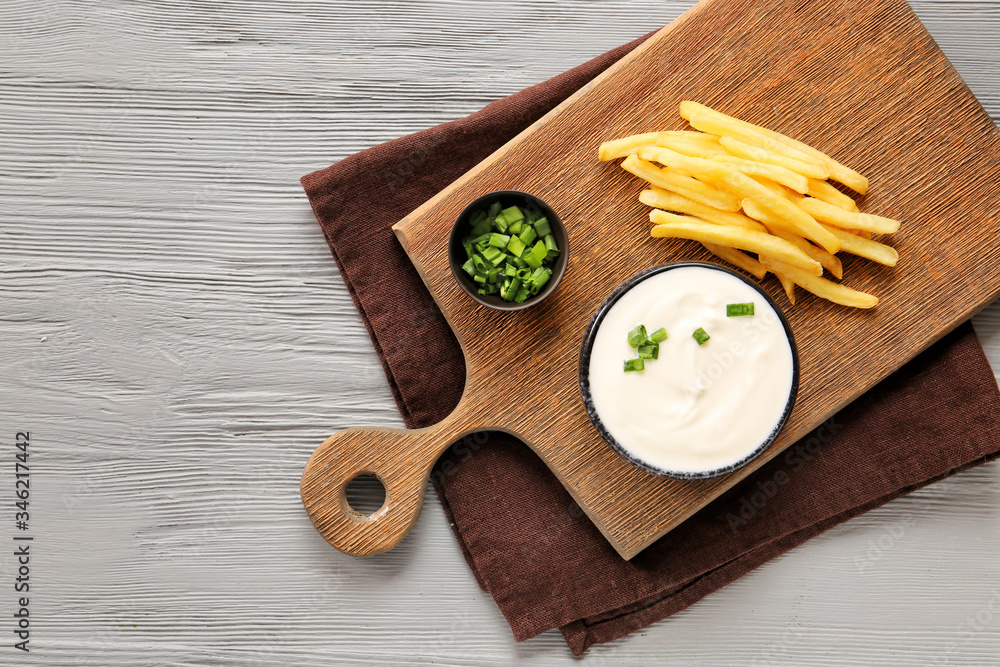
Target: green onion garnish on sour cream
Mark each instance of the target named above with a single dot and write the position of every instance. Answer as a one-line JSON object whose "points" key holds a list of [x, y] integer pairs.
{"points": [[637, 337], [634, 365], [739, 309], [646, 346], [649, 351], [701, 336]]}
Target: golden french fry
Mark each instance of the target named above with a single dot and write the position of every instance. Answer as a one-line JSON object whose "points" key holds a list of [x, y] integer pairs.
{"points": [[779, 228], [795, 220], [821, 287], [724, 126], [693, 166], [788, 285], [690, 134], [829, 261], [781, 175], [685, 185], [746, 187], [838, 217], [714, 122], [738, 259], [852, 243], [831, 195], [617, 148], [846, 175], [838, 172], [743, 186], [862, 247], [713, 171], [668, 225], [777, 188], [671, 201], [748, 151], [693, 144]]}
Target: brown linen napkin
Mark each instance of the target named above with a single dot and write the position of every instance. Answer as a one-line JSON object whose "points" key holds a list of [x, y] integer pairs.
{"points": [[530, 546]]}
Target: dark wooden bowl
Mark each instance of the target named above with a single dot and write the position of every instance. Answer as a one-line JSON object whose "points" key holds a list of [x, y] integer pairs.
{"points": [[456, 253]]}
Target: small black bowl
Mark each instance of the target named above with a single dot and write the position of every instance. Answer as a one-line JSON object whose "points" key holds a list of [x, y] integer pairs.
{"points": [[456, 253], [588, 344]]}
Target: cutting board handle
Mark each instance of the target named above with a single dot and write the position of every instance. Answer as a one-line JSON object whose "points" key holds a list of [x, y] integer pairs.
{"points": [[401, 459]]}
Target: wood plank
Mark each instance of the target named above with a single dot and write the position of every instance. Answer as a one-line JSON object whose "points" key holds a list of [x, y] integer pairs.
{"points": [[180, 226]]}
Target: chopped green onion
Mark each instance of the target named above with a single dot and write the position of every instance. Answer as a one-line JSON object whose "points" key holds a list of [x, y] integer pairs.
{"points": [[509, 251], [700, 336], [551, 247], [739, 309], [646, 346], [515, 246], [512, 214], [540, 277], [633, 365], [637, 336], [528, 236], [536, 256], [499, 240], [493, 255], [480, 222], [496, 258], [511, 291]]}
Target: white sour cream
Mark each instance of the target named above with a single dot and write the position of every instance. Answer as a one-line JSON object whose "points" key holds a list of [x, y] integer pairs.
{"points": [[697, 408]]}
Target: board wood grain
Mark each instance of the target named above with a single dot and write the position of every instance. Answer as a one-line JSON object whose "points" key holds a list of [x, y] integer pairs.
{"points": [[862, 81]]}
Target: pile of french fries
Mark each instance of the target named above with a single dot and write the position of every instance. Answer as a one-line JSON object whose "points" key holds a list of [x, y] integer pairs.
{"points": [[738, 188]]}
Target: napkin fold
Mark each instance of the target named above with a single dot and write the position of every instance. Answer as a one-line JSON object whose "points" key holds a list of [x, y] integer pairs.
{"points": [[530, 546]]}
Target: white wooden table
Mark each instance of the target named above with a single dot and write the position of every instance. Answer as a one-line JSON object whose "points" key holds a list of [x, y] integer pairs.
{"points": [[175, 337]]}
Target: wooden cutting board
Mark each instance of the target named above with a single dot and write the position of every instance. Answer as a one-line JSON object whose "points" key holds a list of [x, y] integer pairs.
{"points": [[859, 79]]}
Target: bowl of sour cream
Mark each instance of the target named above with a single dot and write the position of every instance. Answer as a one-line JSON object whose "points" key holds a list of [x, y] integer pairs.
{"points": [[689, 370]]}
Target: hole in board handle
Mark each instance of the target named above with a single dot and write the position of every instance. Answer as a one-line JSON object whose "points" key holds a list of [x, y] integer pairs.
{"points": [[365, 494]]}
